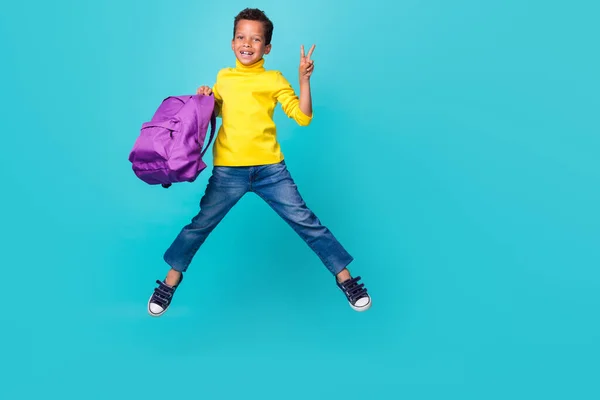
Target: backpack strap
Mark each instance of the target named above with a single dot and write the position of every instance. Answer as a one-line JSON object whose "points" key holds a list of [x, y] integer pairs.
{"points": [[213, 122], [213, 126]]}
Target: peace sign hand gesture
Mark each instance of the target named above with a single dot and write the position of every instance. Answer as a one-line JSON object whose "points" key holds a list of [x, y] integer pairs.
{"points": [[306, 64]]}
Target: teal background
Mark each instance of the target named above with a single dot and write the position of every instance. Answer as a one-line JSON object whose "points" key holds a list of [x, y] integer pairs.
{"points": [[454, 152]]}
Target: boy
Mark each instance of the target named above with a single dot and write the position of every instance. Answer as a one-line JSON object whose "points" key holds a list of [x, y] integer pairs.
{"points": [[248, 158]]}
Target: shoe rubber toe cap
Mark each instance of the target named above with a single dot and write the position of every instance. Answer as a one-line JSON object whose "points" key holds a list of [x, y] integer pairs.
{"points": [[362, 304], [155, 309]]}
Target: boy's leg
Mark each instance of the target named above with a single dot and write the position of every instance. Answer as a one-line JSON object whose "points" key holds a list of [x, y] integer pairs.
{"points": [[225, 188], [275, 185]]}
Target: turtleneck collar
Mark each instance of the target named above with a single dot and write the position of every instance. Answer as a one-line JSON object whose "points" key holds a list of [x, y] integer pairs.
{"points": [[256, 67]]}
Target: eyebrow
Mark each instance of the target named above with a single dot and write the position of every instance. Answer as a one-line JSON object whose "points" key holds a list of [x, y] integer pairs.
{"points": [[254, 34]]}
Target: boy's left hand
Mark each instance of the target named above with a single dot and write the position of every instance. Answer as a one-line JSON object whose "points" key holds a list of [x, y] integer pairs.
{"points": [[306, 64]]}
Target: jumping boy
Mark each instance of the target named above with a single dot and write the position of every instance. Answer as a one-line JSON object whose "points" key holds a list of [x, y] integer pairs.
{"points": [[247, 158]]}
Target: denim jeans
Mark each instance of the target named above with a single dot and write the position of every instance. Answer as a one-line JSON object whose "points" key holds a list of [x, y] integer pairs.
{"points": [[274, 184]]}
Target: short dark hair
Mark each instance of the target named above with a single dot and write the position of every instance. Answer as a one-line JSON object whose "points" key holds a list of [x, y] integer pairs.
{"points": [[254, 14]]}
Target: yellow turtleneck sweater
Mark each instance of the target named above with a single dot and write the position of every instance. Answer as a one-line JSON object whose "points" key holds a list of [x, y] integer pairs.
{"points": [[246, 97]]}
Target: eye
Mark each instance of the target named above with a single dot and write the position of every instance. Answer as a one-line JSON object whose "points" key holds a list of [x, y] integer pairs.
{"points": [[240, 37]]}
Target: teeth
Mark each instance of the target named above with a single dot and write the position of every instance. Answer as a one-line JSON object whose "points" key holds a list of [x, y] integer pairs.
{"points": [[246, 53]]}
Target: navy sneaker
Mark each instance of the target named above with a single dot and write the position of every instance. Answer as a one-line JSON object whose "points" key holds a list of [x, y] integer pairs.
{"points": [[356, 293], [161, 298]]}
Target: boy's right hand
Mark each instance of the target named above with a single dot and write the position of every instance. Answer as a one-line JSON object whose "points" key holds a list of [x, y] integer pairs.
{"points": [[204, 90]]}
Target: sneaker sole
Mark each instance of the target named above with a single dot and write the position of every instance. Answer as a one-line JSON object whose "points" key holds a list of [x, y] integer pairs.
{"points": [[363, 308], [153, 314]]}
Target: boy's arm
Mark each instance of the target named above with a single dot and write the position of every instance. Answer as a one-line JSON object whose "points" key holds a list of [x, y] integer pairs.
{"points": [[290, 104], [305, 98], [207, 91], [298, 109], [218, 101], [306, 69]]}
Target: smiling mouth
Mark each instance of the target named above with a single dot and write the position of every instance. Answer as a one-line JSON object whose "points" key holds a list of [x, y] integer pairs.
{"points": [[246, 53]]}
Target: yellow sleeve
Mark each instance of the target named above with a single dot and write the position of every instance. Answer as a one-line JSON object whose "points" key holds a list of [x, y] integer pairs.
{"points": [[218, 98], [290, 103]]}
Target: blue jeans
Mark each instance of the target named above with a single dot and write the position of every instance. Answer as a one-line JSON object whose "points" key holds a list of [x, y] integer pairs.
{"points": [[274, 184]]}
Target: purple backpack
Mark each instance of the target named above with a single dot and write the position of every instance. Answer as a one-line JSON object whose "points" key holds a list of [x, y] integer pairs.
{"points": [[169, 147]]}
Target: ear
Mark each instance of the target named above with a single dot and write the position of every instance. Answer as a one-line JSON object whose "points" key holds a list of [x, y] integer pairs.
{"points": [[267, 49], [232, 44]]}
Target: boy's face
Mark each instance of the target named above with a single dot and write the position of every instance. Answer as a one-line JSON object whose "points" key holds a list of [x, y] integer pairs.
{"points": [[248, 43]]}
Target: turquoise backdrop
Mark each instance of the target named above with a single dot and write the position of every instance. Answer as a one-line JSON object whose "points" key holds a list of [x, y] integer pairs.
{"points": [[454, 152]]}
